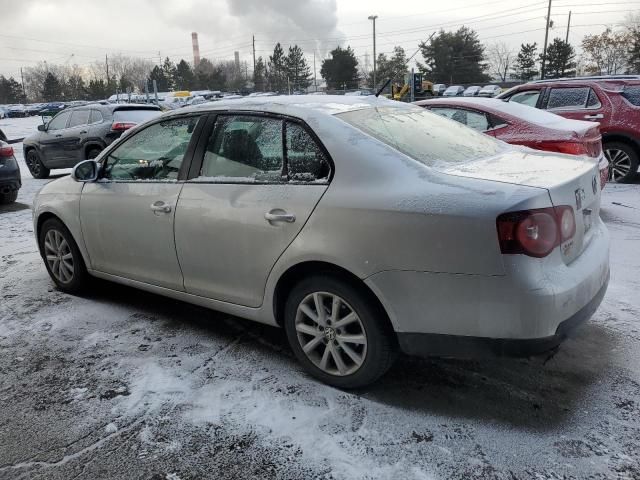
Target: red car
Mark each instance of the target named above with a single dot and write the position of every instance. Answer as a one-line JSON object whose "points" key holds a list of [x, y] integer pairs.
{"points": [[613, 102], [522, 125]]}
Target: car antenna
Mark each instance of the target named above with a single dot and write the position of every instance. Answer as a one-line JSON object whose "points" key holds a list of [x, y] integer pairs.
{"points": [[408, 60]]}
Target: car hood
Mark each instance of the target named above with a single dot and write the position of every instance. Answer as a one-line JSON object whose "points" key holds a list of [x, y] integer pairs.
{"points": [[524, 166]]}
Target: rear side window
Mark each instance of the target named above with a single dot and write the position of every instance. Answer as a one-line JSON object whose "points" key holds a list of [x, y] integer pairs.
{"points": [[632, 94], [572, 97], [306, 161], [134, 116], [78, 118], [476, 120], [95, 117]]}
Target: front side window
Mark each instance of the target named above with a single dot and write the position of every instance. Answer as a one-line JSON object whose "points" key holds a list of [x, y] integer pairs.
{"points": [[528, 97], [155, 153], [78, 118], [568, 98], [244, 148], [421, 135], [306, 161], [476, 120], [59, 121]]}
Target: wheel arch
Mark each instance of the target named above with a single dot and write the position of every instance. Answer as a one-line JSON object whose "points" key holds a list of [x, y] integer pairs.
{"points": [[622, 138], [299, 271], [46, 215], [91, 145]]}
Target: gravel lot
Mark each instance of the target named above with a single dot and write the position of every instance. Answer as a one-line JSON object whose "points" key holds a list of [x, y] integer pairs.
{"points": [[126, 384]]}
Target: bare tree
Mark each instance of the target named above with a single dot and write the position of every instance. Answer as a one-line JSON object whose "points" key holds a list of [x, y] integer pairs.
{"points": [[606, 53], [500, 58]]}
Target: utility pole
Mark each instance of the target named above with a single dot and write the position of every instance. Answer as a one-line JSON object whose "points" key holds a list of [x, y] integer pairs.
{"points": [[546, 39], [373, 18], [106, 62], [254, 61], [24, 92], [315, 83], [566, 40]]}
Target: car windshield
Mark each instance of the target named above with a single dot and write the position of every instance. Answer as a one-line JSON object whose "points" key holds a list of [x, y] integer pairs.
{"points": [[135, 116], [422, 135]]}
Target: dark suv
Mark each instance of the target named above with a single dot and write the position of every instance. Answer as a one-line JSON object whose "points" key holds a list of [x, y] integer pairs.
{"points": [[612, 101], [10, 181], [80, 133]]}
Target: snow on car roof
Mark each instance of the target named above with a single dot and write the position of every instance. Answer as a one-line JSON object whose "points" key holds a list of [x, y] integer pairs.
{"points": [[518, 110], [299, 105]]}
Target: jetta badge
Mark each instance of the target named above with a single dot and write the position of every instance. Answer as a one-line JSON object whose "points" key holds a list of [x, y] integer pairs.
{"points": [[594, 185], [579, 196]]}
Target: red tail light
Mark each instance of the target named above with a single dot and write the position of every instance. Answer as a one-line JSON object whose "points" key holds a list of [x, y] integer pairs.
{"points": [[6, 151], [122, 126], [571, 148], [535, 232]]}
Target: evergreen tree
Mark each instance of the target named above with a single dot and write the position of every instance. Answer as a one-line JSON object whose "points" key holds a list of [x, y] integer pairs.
{"points": [[10, 91], [394, 68], [184, 77], [259, 75], [454, 57], [97, 90], [51, 89], [159, 76], [560, 59], [633, 60], [525, 67], [341, 70], [169, 71], [298, 72], [277, 76], [74, 88], [125, 85]]}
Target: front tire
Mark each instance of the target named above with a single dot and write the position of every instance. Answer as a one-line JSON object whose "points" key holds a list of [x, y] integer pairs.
{"points": [[35, 165], [8, 197], [93, 153], [62, 257], [337, 332], [623, 162]]}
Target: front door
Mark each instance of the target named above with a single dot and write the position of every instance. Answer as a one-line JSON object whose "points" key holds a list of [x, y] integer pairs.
{"points": [[127, 216], [250, 197], [51, 140], [73, 138]]}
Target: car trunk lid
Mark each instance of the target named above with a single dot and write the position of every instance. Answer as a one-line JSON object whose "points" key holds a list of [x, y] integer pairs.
{"points": [[570, 180]]}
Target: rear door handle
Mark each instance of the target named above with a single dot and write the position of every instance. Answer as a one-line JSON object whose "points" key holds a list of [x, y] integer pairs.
{"points": [[59, 135], [278, 215], [160, 207], [596, 116], [83, 131]]}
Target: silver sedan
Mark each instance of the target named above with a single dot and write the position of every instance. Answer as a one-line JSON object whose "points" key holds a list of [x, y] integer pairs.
{"points": [[362, 226]]}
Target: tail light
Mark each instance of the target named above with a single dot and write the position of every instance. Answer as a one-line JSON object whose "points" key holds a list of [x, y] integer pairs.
{"points": [[122, 126], [535, 232], [592, 149], [6, 151]]}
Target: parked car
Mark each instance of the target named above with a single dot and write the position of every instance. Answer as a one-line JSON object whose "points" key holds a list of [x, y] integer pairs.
{"points": [[4, 111], [10, 180], [439, 88], [613, 102], [489, 91], [33, 109], [453, 91], [471, 91], [522, 125], [17, 111], [52, 108], [76, 134], [271, 209]]}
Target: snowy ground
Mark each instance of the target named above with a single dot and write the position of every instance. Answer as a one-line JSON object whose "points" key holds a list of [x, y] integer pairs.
{"points": [[125, 384]]}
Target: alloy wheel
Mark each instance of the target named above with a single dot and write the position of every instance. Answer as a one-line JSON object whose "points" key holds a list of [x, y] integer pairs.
{"points": [[331, 333], [619, 163], [33, 164], [58, 255]]}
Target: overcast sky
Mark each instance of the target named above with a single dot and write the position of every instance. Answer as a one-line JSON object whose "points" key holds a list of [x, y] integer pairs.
{"points": [[83, 31]]}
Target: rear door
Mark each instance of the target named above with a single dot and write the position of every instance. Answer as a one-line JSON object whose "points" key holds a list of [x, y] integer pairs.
{"points": [[255, 181], [576, 102]]}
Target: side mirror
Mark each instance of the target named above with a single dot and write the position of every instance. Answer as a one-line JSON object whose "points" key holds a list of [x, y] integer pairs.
{"points": [[86, 171], [42, 128]]}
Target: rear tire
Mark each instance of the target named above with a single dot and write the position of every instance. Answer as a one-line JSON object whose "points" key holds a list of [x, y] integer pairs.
{"points": [[623, 162], [62, 257], [35, 165], [8, 197], [350, 344]]}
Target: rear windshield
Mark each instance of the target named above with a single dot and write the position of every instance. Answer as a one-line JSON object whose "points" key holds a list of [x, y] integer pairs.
{"points": [[632, 94], [135, 116], [422, 135]]}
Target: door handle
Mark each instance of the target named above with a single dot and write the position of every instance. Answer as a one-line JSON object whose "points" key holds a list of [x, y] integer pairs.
{"points": [[160, 207], [83, 131], [59, 135], [279, 216], [596, 116]]}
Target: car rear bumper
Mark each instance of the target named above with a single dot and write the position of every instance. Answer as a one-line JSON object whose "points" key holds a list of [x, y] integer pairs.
{"points": [[530, 302], [459, 346]]}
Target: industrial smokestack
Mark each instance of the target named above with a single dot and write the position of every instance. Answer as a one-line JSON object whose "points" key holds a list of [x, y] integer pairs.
{"points": [[236, 56], [196, 49]]}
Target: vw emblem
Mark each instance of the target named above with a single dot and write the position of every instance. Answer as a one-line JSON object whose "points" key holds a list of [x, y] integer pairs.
{"points": [[594, 185]]}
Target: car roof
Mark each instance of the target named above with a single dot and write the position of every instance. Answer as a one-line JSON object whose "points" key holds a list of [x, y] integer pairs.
{"points": [[302, 106], [116, 106]]}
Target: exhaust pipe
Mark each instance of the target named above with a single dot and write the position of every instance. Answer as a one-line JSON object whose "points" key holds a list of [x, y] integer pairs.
{"points": [[6, 190]]}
